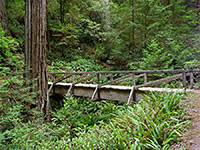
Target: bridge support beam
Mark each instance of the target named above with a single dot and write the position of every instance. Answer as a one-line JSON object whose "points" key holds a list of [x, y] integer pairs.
{"points": [[109, 92]]}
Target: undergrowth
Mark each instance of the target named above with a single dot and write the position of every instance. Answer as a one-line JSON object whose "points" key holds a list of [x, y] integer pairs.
{"points": [[155, 122]]}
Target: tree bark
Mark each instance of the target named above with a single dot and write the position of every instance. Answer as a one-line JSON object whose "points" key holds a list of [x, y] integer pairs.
{"points": [[198, 12], [107, 15], [3, 16], [62, 11], [48, 31], [133, 29], [168, 9], [35, 51]]}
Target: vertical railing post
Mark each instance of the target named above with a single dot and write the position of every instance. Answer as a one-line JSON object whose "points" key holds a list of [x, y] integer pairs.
{"points": [[96, 91], [72, 78], [53, 78], [98, 81], [133, 79], [72, 83], [111, 77], [184, 79], [191, 80], [145, 78]]}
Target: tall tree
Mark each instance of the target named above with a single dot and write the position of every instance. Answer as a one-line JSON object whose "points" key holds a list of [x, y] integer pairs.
{"points": [[133, 28], [3, 16], [198, 10], [35, 51], [107, 17], [168, 9], [62, 11]]}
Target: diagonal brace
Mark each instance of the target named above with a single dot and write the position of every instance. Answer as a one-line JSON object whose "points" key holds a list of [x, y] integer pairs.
{"points": [[95, 92], [131, 95]]}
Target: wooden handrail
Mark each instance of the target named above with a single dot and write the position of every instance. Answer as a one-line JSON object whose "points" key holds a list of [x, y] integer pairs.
{"points": [[130, 71], [167, 79], [113, 72]]}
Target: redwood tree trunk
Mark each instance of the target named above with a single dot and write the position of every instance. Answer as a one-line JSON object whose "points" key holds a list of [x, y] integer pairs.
{"points": [[133, 29], [35, 51]]}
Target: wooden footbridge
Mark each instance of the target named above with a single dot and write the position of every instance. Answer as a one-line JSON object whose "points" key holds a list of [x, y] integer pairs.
{"points": [[118, 85]]}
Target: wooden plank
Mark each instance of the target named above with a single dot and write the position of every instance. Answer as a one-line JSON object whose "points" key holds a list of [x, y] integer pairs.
{"points": [[156, 82], [184, 79], [68, 92], [98, 81], [72, 78], [191, 81], [71, 88], [129, 79], [111, 92], [52, 77], [95, 92], [131, 95], [85, 79], [111, 77], [150, 71], [61, 78], [49, 90], [115, 72], [48, 93], [99, 78], [118, 82], [113, 81], [78, 78], [145, 78], [130, 71], [72, 84], [133, 79]]}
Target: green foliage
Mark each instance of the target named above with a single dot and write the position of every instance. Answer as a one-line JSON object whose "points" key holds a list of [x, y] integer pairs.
{"points": [[16, 100], [16, 13], [96, 30], [154, 123], [82, 113], [80, 35], [7, 46], [22, 126], [156, 57], [10, 59], [78, 65]]}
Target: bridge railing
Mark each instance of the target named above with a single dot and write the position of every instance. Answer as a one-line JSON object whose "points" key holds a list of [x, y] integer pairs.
{"points": [[135, 79], [106, 78], [117, 77]]}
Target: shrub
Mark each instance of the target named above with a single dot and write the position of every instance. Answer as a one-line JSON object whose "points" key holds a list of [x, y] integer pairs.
{"points": [[154, 123], [7, 46]]}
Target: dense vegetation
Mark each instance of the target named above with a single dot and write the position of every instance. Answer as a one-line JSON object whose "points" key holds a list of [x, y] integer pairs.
{"points": [[93, 29], [154, 123], [92, 35]]}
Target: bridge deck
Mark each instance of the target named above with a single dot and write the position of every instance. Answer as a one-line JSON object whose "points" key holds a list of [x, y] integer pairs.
{"points": [[110, 92]]}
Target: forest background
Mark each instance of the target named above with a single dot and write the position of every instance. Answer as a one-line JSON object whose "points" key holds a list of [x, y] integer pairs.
{"points": [[118, 34], [93, 35]]}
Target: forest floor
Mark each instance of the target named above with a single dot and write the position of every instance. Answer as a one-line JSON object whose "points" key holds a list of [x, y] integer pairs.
{"points": [[191, 138]]}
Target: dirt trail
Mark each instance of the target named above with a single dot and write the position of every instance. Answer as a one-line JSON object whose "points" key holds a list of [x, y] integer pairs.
{"points": [[191, 139]]}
